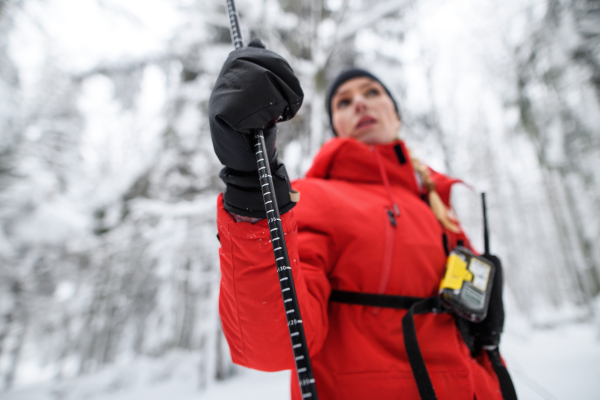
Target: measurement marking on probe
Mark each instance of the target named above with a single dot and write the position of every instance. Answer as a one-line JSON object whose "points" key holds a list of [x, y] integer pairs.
{"points": [[286, 289], [277, 259], [266, 184], [299, 358], [279, 248], [262, 159], [266, 193], [290, 311], [287, 301], [283, 279], [301, 370], [260, 151], [294, 334], [307, 395], [262, 168], [296, 346], [270, 201], [275, 238]]}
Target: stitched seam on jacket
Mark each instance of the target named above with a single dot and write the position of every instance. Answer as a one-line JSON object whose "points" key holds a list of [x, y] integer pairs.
{"points": [[332, 259], [237, 308], [331, 255], [332, 233]]}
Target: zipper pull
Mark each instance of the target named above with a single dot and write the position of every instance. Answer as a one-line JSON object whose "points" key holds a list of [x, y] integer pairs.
{"points": [[392, 218]]}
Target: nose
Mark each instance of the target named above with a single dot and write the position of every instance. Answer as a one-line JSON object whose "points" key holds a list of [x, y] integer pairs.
{"points": [[360, 104]]}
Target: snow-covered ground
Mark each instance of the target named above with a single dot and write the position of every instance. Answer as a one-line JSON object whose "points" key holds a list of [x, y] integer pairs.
{"points": [[558, 363]]}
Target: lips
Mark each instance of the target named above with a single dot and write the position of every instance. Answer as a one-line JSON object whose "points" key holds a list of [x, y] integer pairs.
{"points": [[365, 122]]}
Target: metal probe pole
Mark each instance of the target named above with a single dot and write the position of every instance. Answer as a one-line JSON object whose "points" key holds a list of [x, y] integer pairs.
{"points": [[282, 261]]}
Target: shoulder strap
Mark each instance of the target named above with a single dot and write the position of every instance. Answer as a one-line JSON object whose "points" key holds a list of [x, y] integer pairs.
{"points": [[417, 363], [506, 385]]}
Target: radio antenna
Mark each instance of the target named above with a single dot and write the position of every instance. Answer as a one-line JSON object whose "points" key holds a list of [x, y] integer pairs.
{"points": [[486, 235]]}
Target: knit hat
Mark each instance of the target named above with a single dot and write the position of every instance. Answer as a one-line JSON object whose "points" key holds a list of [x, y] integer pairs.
{"points": [[345, 76]]}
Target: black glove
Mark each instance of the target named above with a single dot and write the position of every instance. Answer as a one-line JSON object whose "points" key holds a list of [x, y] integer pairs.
{"points": [[243, 194], [255, 89]]}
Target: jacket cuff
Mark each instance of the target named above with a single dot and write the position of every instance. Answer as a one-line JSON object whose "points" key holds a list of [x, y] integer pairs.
{"points": [[243, 195]]}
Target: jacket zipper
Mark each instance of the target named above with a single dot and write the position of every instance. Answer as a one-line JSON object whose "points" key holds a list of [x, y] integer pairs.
{"points": [[388, 252], [392, 214]]}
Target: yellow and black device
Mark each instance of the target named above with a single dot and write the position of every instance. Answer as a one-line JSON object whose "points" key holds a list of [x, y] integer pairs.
{"points": [[467, 284]]}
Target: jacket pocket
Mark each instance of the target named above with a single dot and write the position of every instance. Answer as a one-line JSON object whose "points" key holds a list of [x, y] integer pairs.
{"points": [[401, 385]]}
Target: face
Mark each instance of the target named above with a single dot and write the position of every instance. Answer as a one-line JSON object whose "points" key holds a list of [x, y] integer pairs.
{"points": [[361, 109]]}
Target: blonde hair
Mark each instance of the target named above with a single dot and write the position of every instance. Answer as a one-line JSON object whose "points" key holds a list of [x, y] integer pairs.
{"points": [[443, 214]]}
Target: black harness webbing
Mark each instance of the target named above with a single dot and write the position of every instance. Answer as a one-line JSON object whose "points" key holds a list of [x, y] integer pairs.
{"points": [[374, 300], [420, 305], [417, 363], [506, 385]]}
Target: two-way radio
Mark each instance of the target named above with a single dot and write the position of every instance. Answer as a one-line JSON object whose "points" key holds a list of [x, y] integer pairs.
{"points": [[467, 284]]}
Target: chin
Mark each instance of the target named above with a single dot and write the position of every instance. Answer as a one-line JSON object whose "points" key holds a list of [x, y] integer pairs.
{"points": [[375, 138]]}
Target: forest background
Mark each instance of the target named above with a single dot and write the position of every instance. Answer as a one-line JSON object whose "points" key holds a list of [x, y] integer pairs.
{"points": [[108, 179]]}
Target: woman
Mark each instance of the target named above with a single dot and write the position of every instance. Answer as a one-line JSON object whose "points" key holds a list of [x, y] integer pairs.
{"points": [[364, 224]]}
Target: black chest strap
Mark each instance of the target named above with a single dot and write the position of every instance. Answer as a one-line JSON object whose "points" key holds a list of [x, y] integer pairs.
{"points": [[374, 300], [420, 305]]}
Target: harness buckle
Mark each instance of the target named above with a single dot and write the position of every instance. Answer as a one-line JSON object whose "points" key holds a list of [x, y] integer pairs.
{"points": [[438, 306]]}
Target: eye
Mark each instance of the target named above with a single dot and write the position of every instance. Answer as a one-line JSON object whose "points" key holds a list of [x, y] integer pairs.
{"points": [[372, 92], [342, 103]]}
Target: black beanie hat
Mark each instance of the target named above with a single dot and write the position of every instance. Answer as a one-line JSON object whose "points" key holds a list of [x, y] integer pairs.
{"points": [[346, 76]]}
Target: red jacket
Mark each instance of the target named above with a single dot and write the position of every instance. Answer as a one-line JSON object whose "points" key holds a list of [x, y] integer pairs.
{"points": [[339, 236]]}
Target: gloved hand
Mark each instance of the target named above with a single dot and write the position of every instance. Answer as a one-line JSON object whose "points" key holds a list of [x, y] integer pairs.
{"points": [[255, 89]]}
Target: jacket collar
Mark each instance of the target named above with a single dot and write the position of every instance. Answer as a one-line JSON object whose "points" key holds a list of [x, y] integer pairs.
{"points": [[353, 161]]}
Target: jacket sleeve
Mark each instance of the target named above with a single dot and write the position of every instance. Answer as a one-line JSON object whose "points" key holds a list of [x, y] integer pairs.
{"points": [[250, 300]]}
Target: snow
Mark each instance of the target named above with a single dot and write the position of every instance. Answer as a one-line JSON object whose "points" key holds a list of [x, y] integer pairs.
{"points": [[561, 363], [558, 363], [171, 377], [106, 31]]}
